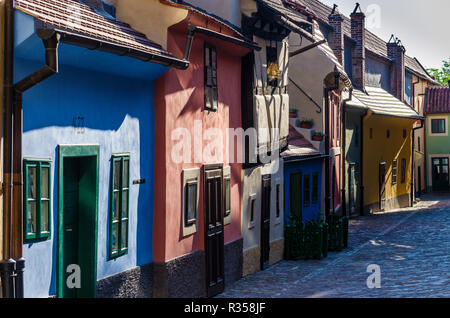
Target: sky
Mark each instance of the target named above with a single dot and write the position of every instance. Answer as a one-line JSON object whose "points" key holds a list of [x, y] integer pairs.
{"points": [[421, 25]]}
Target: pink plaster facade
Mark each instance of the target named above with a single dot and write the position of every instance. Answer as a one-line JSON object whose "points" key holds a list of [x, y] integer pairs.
{"points": [[179, 99]]}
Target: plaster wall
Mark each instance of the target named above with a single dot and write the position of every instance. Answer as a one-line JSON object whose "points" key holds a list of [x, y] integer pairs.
{"points": [[312, 211], [379, 149], [225, 9], [138, 13], [112, 122], [84, 105], [308, 70], [180, 105], [377, 74], [419, 88], [437, 146]]}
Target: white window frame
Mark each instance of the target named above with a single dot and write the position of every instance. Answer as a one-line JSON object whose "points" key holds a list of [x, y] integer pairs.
{"points": [[190, 176], [226, 176], [430, 130], [251, 199]]}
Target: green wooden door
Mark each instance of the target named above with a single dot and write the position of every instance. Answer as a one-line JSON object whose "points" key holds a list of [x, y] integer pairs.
{"points": [[296, 195], [70, 227]]}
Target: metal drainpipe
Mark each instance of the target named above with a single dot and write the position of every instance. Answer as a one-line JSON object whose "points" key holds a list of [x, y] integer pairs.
{"points": [[413, 170], [12, 269], [327, 91], [51, 41], [344, 126], [361, 169], [8, 265]]}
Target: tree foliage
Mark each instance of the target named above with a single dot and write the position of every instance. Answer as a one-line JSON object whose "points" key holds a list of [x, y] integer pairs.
{"points": [[441, 75]]}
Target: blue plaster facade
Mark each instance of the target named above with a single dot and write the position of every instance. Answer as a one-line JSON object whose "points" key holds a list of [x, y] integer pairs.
{"points": [[311, 166], [114, 95]]}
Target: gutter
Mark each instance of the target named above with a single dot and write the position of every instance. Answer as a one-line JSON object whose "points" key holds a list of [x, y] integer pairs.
{"points": [[326, 93], [13, 156], [343, 144], [192, 30], [109, 47], [361, 170], [413, 167], [300, 159], [8, 264]]}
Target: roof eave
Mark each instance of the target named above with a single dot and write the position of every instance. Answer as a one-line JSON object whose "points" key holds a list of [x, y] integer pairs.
{"points": [[114, 48]]}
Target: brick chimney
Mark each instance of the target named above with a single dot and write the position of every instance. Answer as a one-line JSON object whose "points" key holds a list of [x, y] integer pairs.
{"points": [[396, 53], [96, 4], [336, 38], [358, 24]]}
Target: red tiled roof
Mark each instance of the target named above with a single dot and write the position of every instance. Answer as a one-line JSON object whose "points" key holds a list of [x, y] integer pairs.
{"points": [[437, 100], [373, 43], [80, 18]]}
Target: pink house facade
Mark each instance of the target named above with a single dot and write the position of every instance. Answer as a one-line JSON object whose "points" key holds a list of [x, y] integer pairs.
{"points": [[197, 210]]}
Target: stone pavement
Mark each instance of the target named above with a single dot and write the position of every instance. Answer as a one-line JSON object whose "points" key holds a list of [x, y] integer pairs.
{"points": [[411, 246]]}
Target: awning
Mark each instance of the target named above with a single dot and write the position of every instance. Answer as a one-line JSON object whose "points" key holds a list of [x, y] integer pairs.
{"points": [[381, 102], [298, 145]]}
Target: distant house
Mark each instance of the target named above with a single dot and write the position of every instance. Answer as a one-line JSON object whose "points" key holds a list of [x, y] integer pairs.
{"points": [[437, 111], [303, 166], [265, 108], [88, 149], [375, 114]]}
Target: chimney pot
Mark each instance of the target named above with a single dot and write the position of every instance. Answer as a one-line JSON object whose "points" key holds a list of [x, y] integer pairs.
{"points": [[358, 29]]}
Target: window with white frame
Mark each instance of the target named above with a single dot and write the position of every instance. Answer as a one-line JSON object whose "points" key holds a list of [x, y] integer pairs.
{"points": [[190, 202]]}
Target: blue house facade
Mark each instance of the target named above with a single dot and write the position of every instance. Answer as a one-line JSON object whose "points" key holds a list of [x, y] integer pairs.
{"points": [[88, 157], [303, 178], [303, 166]]}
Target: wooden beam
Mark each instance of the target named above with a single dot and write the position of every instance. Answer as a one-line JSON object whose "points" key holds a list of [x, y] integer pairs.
{"points": [[307, 48]]}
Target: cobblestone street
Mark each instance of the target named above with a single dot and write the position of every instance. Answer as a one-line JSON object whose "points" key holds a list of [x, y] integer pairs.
{"points": [[411, 246]]}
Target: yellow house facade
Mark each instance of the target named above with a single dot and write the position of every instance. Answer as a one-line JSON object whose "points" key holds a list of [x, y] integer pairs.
{"points": [[386, 151], [387, 157]]}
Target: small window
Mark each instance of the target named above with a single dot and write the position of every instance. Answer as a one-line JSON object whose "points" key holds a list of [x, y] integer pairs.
{"points": [[315, 187], [227, 197], [278, 211], [403, 176], [189, 204], [394, 172], [438, 126], [306, 190], [371, 133], [388, 134], [418, 143], [119, 206], [37, 203], [227, 194], [252, 212], [211, 90], [404, 133], [190, 210]]}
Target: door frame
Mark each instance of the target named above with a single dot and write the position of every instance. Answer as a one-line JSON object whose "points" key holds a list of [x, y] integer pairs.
{"points": [[207, 168], [76, 151], [441, 164], [264, 264], [382, 206]]}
